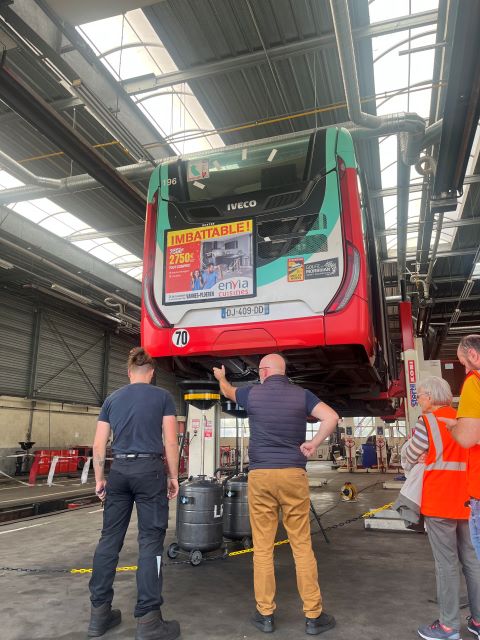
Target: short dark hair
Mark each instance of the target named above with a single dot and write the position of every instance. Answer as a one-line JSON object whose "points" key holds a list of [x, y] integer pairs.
{"points": [[470, 342], [138, 357]]}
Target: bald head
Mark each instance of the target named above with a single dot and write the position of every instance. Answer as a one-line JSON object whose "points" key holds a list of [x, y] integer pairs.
{"points": [[271, 365]]}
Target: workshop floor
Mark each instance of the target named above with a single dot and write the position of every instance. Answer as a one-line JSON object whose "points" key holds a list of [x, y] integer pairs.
{"points": [[379, 585]]}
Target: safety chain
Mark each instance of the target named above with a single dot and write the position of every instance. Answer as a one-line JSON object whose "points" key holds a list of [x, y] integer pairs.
{"points": [[20, 570], [204, 559]]}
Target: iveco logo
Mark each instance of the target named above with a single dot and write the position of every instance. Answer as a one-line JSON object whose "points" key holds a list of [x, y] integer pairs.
{"points": [[248, 204]]}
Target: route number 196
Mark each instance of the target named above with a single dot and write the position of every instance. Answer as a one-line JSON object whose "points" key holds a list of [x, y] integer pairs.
{"points": [[180, 338]]}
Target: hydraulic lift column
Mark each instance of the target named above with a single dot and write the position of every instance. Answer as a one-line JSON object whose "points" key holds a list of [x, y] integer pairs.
{"points": [[203, 426], [411, 364]]}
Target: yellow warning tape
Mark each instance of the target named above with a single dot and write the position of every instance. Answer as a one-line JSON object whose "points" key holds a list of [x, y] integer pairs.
{"points": [[367, 514]]}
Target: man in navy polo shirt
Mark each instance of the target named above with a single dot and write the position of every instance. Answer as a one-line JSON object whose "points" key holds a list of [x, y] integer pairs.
{"points": [[277, 412], [141, 418]]}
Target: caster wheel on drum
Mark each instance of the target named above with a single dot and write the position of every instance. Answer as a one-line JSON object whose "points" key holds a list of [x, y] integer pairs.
{"points": [[172, 551], [196, 557], [247, 543]]}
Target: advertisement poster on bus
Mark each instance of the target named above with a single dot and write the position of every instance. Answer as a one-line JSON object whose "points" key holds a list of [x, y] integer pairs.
{"points": [[215, 262]]}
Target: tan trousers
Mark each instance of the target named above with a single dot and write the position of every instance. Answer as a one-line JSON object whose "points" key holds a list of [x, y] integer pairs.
{"points": [[270, 490]]}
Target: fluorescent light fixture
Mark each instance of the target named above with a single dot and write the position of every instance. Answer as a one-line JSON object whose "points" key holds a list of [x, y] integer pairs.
{"points": [[476, 271], [5, 265], [455, 316], [71, 294]]}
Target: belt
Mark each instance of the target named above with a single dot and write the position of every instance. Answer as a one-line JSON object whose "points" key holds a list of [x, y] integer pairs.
{"points": [[133, 456]]}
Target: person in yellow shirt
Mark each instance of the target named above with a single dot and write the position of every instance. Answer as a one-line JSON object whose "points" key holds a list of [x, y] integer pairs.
{"points": [[466, 431]]}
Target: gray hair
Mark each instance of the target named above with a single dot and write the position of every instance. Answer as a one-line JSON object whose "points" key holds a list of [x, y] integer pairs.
{"points": [[437, 388], [470, 342]]}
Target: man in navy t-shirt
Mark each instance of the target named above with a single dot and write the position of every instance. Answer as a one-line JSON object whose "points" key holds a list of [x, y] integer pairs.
{"points": [[277, 412], [141, 418]]}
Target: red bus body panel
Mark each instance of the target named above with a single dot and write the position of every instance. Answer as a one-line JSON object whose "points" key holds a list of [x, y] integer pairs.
{"points": [[351, 325]]}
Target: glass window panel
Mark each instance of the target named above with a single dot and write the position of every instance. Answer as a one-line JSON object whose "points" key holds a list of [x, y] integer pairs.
{"points": [[47, 205], [380, 10], [86, 245], [29, 210], [102, 253], [7, 181], [56, 226]]}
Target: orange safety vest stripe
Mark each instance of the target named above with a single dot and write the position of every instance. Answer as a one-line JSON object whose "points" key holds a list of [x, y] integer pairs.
{"points": [[444, 495]]}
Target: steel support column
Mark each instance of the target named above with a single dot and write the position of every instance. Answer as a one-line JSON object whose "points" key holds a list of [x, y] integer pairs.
{"points": [[37, 321], [107, 344]]}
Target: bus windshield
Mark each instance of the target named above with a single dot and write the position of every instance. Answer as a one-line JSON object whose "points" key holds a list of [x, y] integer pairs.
{"points": [[248, 169]]}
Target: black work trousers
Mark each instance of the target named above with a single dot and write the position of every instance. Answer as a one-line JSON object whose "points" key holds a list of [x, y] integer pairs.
{"points": [[141, 481]]}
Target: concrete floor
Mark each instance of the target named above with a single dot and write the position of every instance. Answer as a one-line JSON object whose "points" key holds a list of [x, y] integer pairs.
{"points": [[13, 493], [378, 585]]}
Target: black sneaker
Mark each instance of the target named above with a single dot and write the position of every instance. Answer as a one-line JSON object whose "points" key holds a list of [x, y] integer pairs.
{"points": [[263, 623], [314, 626], [473, 627]]}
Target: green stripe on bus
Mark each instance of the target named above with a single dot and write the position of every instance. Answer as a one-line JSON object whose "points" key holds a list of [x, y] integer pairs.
{"points": [[345, 148], [163, 222], [330, 207]]}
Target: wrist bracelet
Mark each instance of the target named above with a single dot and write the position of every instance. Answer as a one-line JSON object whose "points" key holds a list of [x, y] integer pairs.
{"points": [[170, 478]]}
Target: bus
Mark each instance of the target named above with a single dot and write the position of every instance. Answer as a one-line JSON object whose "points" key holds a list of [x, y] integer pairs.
{"points": [[266, 247]]}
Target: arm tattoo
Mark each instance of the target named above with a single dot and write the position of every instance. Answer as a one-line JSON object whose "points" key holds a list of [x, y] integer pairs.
{"points": [[99, 462]]}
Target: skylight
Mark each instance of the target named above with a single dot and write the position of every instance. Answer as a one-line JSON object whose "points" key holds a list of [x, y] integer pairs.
{"points": [[399, 68], [52, 217], [129, 46]]}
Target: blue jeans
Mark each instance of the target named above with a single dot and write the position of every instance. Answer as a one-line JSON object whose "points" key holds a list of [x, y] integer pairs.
{"points": [[475, 524]]}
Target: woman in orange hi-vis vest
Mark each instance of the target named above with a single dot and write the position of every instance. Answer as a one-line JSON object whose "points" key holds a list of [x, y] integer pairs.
{"points": [[444, 498]]}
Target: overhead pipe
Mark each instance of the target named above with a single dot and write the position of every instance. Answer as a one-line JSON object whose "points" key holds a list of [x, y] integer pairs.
{"points": [[37, 186], [73, 276], [403, 184], [410, 123], [412, 135], [18, 170], [392, 124]]}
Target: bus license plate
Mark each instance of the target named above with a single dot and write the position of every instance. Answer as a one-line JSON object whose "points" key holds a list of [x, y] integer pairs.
{"points": [[246, 311]]}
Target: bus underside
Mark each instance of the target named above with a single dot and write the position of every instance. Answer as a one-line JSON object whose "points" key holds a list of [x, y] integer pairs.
{"points": [[352, 378]]}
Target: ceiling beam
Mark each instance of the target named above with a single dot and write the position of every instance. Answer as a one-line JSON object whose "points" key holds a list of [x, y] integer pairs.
{"points": [[461, 109], [444, 299], [109, 233], [60, 105], [128, 265], [392, 191], [88, 77], [145, 83], [440, 254], [447, 224], [15, 227], [461, 277], [40, 115]]}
